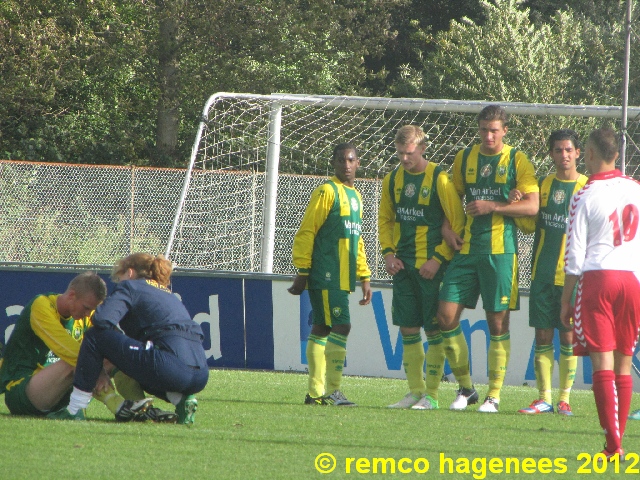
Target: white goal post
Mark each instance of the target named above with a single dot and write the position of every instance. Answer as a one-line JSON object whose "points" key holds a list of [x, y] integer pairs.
{"points": [[256, 159]]}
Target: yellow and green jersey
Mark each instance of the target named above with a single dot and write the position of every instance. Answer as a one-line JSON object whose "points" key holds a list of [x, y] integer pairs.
{"points": [[39, 330], [412, 210], [551, 224], [328, 245], [491, 177]]}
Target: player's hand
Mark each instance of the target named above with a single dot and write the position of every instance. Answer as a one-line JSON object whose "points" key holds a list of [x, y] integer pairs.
{"points": [[566, 312], [392, 265], [299, 284], [480, 207], [451, 238], [429, 268], [515, 195], [104, 382], [108, 366], [366, 293]]}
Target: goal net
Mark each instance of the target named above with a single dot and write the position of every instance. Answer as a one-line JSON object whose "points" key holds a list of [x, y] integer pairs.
{"points": [[256, 159]]}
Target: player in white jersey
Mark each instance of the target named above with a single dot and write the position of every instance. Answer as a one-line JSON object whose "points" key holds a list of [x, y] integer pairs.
{"points": [[601, 257]]}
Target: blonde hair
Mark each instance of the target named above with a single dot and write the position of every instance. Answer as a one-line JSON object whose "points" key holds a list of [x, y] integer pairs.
{"points": [[410, 134], [89, 282], [145, 265]]}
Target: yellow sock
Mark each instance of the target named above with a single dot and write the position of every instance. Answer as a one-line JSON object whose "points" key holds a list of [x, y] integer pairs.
{"points": [[335, 355], [317, 366], [435, 364], [543, 364], [568, 364], [110, 398], [457, 352], [499, 349], [413, 363], [128, 387]]}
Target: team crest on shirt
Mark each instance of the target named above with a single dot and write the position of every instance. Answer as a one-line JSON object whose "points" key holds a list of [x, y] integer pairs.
{"points": [[409, 190], [424, 192], [558, 196], [77, 333], [354, 205], [336, 311], [485, 171]]}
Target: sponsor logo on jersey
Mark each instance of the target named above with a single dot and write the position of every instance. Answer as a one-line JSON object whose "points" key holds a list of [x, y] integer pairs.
{"points": [[502, 170], [327, 276], [485, 171], [409, 190], [558, 196], [354, 204], [336, 311], [424, 192]]}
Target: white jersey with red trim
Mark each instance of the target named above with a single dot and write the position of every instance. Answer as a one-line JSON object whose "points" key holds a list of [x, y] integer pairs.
{"points": [[602, 232]]}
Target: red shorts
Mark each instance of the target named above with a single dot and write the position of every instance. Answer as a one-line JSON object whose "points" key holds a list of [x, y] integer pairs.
{"points": [[607, 312]]}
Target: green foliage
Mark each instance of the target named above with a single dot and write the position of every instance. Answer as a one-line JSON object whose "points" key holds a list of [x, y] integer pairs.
{"points": [[253, 425], [508, 58]]}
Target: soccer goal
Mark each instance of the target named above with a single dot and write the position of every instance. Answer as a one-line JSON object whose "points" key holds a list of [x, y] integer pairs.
{"points": [[256, 159]]}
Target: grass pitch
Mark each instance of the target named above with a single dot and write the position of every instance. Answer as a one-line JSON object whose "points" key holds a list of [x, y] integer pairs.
{"points": [[253, 425]]}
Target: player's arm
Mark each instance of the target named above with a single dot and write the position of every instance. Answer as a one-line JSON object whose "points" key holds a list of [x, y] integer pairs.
{"points": [[388, 230], [45, 323], [314, 217], [386, 220], [574, 256], [527, 185], [454, 218], [566, 311]]}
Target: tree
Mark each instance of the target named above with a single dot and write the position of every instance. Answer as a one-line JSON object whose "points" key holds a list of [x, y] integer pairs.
{"points": [[509, 58]]}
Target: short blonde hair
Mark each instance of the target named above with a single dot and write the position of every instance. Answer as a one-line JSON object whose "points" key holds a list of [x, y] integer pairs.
{"points": [[410, 135], [89, 283], [145, 265]]}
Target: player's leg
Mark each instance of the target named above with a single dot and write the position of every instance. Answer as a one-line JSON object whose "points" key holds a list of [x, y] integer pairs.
{"points": [[499, 291], [543, 366], [406, 314], [48, 386], [596, 312], [459, 289], [316, 345], [49, 391], [435, 355], [336, 351], [605, 394], [627, 325], [541, 315], [568, 364]]}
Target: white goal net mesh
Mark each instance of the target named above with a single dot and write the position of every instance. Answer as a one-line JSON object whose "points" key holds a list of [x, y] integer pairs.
{"points": [[224, 214]]}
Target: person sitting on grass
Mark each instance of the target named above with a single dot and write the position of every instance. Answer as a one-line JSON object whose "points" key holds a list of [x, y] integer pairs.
{"points": [[157, 343], [42, 351]]}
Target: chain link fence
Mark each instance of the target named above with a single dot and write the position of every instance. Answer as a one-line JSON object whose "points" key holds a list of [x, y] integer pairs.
{"points": [[93, 215]]}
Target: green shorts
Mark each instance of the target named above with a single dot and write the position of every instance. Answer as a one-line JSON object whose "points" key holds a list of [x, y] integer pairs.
{"points": [[493, 277], [16, 400], [330, 307], [415, 299], [544, 306]]}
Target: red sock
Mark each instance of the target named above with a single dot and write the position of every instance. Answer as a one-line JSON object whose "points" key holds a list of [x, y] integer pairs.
{"points": [[624, 386], [604, 391]]}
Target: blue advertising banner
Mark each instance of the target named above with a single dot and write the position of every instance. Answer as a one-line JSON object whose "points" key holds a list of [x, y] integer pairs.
{"points": [[236, 314]]}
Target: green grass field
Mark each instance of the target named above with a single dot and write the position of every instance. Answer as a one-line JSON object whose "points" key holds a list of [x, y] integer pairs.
{"points": [[253, 425]]}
